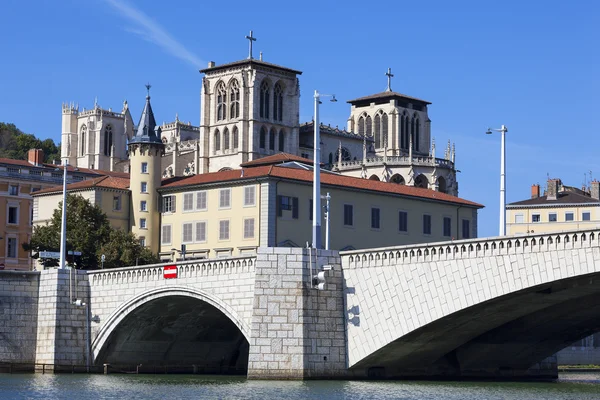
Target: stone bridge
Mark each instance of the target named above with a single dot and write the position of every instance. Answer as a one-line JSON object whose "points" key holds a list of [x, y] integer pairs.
{"points": [[476, 308]]}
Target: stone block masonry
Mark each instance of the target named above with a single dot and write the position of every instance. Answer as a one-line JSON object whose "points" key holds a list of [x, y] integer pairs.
{"points": [[297, 332]]}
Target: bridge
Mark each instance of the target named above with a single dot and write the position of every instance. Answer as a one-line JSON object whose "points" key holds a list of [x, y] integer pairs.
{"points": [[492, 307]]}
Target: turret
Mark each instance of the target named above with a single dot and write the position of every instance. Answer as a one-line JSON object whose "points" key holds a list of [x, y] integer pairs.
{"points": [[69, 139], [145, 150]]}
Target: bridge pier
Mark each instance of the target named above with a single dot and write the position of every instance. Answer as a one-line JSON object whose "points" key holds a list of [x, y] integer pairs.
{"points": [[297, 332]]}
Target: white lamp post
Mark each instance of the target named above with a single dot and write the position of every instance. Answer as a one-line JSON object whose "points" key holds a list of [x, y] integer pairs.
{"points": [[63, 227], [316, 234], [503, 129]]}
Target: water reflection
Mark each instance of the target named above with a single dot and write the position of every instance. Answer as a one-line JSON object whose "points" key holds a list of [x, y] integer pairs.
{"points": [[577, 386]]}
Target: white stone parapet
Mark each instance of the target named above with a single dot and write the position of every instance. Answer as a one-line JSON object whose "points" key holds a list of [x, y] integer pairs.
{"points": [[398, 161]]}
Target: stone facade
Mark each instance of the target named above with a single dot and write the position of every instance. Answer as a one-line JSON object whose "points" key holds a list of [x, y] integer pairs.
{"points": [[297, 331]]}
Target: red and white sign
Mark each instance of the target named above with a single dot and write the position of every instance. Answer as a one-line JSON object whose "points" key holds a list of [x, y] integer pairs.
{"points": [[170, 271]]}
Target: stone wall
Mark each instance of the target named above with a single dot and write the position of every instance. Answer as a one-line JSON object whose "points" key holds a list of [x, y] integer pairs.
{"points": [[297, 331], [19, 310]]}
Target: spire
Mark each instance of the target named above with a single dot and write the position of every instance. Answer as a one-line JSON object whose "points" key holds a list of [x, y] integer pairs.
{"points": [[146, 127]]}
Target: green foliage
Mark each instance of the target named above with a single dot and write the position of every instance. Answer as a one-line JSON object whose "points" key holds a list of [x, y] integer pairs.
{"points": [[89, 232], [14, 144]]}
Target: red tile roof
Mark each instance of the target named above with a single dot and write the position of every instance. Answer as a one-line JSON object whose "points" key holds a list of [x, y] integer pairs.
{"points": [[25, 163], [105, 182], [330, 179], [278, 158]]}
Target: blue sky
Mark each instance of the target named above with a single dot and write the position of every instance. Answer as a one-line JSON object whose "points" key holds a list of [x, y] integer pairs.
{"points": [[533, 66]]}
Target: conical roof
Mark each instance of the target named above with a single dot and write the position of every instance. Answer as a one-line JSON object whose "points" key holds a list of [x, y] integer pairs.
{"points": [[145, 132]]}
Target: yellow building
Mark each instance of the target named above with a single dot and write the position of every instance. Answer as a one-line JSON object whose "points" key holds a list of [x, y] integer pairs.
{"points": [[269, 203], [19, 180], [561, 208]]}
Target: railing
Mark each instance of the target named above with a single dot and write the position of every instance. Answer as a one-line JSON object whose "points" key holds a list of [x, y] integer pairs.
{"points": [[469, 248], [399, 160], [185, 269]]}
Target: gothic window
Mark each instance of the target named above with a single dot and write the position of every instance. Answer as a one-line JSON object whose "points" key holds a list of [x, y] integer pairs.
{"points": [[416, 138], [442, 185], [361, 126], [263, 138], [217, 140], [384, 130], [345, 154], [281, 141], [264, 100], [234, 99], [369, 126], [399, 179], [221, 102], [108, 138], [272, 139], [278, 103], [236, 138], [226, 139], [82, 139], [412, 132], [421, 181], [377, 132]]}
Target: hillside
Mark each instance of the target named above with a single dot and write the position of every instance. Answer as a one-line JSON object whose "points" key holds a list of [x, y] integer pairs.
{"points": [[14, 144]]}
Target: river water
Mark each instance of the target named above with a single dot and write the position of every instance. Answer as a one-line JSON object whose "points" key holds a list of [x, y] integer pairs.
{"points": [[572, 386]]}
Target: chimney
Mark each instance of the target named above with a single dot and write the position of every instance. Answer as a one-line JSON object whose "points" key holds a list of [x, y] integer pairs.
{"points": [[553, 189], [535, 191], [35, 156], [211, 64], [595, 189]]}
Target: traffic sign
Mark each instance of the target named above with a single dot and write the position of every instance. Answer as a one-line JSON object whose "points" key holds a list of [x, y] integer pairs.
{"points": [[170, 271], [49, 254]]}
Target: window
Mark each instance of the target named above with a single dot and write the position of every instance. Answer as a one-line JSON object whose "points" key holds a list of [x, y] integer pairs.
{"points": [[201, 201], [535, 218], [11, 248], [224, 230], [117, 203], [217, 140], [188, 201], [263, 138], [278, 103], [466, 229], [447, 226], [82, 140], [226, 139], [144, 168], [168, 205], [568, 216], [144, 188], [519, 219], [35, 172], [281, 141], [264, 100], [142, 241], [249, 228], [234, 99], [143, 205], [375, 214], [166, 234], [201, 231], [13, 170], [225, 198], [585, 216], [272, 139], [402, 221], [13, 214], [287, 203], [221, 100], [13, 190], [426, 224], [552, 217], [236, 138], [108, 140], [142, 223], [249, 195], [348, 215], [186, 232]]}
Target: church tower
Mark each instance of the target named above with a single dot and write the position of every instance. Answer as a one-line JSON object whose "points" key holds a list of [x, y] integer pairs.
{"points": [[249, 109], [145, 151]]}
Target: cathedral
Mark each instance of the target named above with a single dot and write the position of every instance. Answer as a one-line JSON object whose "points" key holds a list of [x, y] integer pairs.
{"points": [[249, 110]]}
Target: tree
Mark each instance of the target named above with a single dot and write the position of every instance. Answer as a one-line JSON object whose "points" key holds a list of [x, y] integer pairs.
{"points": [[14, 144], [89, 232]]}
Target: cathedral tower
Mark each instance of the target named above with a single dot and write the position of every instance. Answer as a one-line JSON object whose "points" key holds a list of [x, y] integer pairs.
{"points": [[249, 109], [145, 151]]}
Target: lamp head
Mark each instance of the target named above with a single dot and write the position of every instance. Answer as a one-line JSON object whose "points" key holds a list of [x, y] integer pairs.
{"points": [[333, 99], [489, 131]]}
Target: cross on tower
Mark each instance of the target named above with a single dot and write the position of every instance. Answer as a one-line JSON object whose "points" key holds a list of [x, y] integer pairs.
{"points": [[148, 86], [389, 77], [250, 39]]}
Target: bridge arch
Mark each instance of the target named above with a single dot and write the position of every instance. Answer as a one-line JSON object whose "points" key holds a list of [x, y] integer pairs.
{"points": [[119, 316]]}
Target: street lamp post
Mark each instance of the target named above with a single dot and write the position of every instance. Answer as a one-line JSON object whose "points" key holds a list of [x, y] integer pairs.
{"points": [[503, 129], [316, 233], [63, 227]]}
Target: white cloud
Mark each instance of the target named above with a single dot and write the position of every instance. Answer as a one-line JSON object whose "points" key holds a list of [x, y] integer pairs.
{"points": [[149, 30]]}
